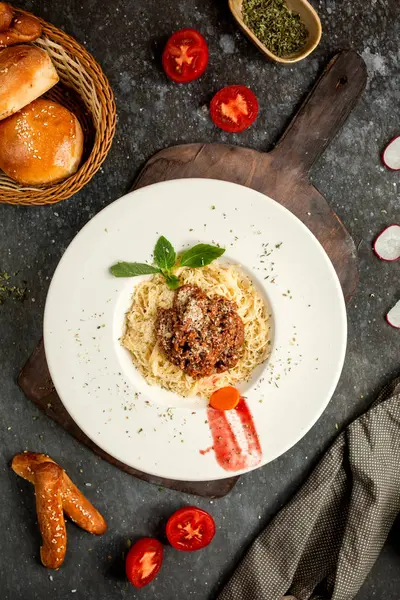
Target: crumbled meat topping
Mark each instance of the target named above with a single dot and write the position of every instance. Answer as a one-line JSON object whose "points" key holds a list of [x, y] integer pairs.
{"points": [[201, 335]]}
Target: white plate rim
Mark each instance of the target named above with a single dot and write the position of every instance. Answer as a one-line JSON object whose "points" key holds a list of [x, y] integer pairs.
{"points": [[335, 378]]}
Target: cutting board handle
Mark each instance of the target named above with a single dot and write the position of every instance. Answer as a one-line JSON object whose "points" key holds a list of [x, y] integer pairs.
{"points": [[323, 112]]}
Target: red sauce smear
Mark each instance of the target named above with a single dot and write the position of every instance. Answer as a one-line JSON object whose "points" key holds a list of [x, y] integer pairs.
{"points": [[206, 451], [231, 453]]}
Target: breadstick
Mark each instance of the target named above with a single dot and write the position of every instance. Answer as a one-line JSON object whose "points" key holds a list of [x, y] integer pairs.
{"points": [[6, 16], [25, 464], [75, 504], [80, 510], [23, 28], [48, 487]]}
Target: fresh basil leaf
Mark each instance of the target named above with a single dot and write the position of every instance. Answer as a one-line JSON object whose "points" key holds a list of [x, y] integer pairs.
{"points": [[128, 269], [172, 281], [200, 255], [164, 254]]}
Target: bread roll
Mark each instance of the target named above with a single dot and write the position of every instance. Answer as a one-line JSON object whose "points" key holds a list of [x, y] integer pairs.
{"points": [[26, 72], [42, 143]]}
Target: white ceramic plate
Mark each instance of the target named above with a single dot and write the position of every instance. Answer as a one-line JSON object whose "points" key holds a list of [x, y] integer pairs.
{"points": [[158, 432]]}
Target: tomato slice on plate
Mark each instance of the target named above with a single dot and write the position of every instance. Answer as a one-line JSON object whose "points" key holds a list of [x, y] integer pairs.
{"points": [[143, 561], [234, 108], [185, 56], [190, 529]]}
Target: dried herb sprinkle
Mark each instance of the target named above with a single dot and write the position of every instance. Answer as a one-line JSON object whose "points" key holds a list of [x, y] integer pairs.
{"points": [[279, 29], [11, 291]]}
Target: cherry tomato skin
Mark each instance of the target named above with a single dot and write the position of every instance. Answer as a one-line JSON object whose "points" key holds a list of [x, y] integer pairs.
{"points": [[185, 56], [234, 108], [144, 561], [190, 529]]}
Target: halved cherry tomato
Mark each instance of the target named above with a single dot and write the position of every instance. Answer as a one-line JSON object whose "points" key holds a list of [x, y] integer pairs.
{"points": [[185, 56], [234, 108], [190, 529], [143, 561]]}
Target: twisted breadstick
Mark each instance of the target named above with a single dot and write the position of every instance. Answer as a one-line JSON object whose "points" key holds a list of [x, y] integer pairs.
{"points": [[49, 508], [40, 469], [17, 29], [6, 16]]}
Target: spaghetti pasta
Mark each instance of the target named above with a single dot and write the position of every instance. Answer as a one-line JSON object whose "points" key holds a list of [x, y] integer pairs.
{"points": [[223, 279]]}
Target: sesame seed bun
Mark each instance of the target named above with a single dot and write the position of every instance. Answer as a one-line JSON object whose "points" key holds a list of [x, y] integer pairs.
{"points": [[26, 72], [42, 143]]}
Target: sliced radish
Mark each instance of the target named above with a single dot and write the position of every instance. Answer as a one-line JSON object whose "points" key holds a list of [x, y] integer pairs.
{"points": [[393, 316], [387, 244], [391, 154]]}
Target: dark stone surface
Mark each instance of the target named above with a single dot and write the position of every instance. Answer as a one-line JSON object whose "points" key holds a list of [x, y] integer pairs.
{"points": [[126, 37]]}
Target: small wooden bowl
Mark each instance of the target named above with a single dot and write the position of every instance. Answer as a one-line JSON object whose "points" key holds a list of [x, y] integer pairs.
{"points": [[307, 14], [85, 90]]}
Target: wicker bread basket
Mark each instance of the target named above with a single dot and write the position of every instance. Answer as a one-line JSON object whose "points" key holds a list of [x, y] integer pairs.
{"points": [[85, 90]]}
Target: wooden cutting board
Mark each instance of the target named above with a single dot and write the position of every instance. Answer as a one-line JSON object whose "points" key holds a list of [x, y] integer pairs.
{"points": [[282, 174]]}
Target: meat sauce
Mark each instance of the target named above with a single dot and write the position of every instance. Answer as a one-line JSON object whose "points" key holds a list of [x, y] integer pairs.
{"points": [[200, 335]]}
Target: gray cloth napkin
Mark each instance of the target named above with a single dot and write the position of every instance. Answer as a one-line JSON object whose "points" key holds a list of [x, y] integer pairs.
{"points": [[323, 543]]}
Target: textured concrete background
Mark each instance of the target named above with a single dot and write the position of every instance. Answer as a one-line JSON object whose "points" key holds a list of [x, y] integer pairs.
{"points": [[126, 37]]}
